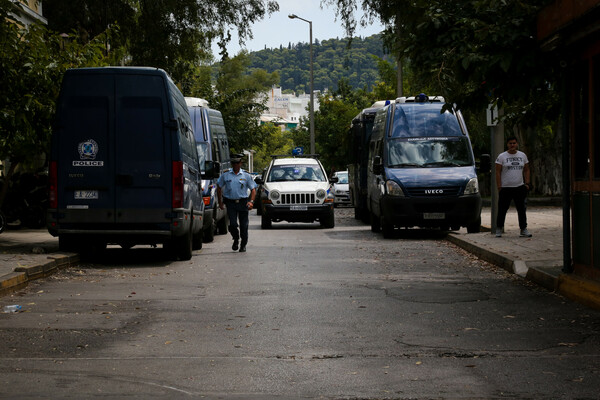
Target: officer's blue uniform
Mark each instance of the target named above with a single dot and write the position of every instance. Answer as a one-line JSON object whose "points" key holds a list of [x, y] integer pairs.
{"points": [[235, 189]]}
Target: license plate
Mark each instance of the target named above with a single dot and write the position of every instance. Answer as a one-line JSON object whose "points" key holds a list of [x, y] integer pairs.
{"points": [[86, 195], [298, 208], [434, 215]]}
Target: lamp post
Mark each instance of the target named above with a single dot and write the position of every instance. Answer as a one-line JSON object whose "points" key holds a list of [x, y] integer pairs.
{"points": [[312, 95]]}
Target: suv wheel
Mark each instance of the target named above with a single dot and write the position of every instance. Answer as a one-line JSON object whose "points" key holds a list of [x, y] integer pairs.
{"points": [[328, 222], [265, 222]]}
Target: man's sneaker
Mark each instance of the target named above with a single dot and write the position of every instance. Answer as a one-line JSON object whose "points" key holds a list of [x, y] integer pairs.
{"points": [[235, 245], [525, 233], [499, 232]]}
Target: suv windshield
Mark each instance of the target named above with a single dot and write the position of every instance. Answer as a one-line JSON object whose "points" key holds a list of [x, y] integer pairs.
{"points": [[429, 152], [342, 177], [282, 173]]}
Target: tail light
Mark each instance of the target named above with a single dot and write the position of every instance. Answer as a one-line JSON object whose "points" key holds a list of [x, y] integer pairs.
{"points": [[53, 185], [206, 200], [177, 194]]}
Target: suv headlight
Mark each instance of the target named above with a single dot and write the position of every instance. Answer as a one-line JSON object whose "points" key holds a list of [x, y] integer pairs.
{"points": [[393, 189], [274, 195], [321, 194], [472, 187]]}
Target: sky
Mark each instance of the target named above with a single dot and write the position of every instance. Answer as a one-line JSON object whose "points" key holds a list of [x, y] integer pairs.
{"points": [[278, 29]]}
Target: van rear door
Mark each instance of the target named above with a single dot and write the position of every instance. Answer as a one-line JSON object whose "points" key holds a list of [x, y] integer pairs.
{"points": [[114, 150], [85, 171], [142, 153]]}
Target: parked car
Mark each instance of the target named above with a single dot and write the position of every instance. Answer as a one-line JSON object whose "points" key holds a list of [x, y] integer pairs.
{"points": [[212, 146], [340, 189], [296, 190], [123, 165]]}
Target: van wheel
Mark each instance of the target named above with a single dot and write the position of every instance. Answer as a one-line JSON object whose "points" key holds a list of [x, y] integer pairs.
{"points": [[197, 240], [265, 222], [375, 223], [387, 229], [182, 247], [208, 234], [68, 243], [222, 224], [474, 227]]}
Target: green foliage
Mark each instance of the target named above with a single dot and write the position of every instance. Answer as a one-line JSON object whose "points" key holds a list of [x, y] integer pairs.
{"points": [[174, 35], [33, 62], [332, 61]]}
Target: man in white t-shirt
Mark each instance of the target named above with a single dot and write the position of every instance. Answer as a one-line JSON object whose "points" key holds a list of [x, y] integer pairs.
{"points": [[513, 181]]}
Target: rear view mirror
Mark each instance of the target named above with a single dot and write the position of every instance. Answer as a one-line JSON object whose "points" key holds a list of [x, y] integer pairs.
{"points": [[212, 170], [377, 165]]}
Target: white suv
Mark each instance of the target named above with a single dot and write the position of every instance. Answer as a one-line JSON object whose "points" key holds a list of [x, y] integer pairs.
{"points": [[296, 190]]}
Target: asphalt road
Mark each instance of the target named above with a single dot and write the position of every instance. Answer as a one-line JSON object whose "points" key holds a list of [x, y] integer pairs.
{"points": [[305, 313]]}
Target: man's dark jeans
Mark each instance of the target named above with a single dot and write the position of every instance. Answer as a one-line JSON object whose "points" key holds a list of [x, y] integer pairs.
{"points": [[519, 195]]}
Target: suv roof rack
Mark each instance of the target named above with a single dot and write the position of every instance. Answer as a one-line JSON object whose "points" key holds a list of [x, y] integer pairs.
{"points": [[274, 156]]}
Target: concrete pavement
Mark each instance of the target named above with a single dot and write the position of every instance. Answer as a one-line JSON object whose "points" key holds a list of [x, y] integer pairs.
{"points": [[29, 254]]}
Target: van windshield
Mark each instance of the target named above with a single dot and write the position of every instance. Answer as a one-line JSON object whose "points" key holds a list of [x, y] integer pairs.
{"points": [[419, 120], [429, 152], [282, 173], [202, 153]]}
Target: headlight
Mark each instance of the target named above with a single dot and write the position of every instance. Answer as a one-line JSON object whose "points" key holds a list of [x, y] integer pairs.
{"points": [[472, 187], [393, 189], [274, 195], [321, 194]]}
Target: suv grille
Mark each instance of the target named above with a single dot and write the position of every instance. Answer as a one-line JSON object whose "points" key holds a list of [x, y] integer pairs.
{"points": [[298, 198]]}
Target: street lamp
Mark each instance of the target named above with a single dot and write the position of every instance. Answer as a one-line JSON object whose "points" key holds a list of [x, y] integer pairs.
{"points": [[312, 95]]}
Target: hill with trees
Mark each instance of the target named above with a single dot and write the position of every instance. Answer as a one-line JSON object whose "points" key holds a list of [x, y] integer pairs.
{"points": [[333, 60]]}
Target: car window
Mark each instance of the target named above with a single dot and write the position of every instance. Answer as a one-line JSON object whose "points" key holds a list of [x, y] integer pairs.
{"points": [[283, 173], [342, 177]]}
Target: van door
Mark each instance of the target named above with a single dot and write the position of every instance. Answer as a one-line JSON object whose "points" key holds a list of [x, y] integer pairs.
{"points": [[142, 150], [84, 137]]}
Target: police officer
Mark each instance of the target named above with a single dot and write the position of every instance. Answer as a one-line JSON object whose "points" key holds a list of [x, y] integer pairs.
{"points": [[236, 189]]}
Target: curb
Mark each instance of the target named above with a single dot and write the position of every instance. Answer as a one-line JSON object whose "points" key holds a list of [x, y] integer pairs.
{"points": [[21, 276], [545, 273]]}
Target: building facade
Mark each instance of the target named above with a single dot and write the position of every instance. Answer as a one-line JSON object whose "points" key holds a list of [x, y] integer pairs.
{"points": [[569, 31], [285, 110], [27, 12]]}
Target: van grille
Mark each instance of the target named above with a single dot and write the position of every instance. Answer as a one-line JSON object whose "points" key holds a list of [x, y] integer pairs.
{"points": [[433, 191], [298, 198]]}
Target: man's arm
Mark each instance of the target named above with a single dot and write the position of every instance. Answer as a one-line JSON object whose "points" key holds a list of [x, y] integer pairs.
{"points": [[527, 175], [220, 197], [499, 176]]}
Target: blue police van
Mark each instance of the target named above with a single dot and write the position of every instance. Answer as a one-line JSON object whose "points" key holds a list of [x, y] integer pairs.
{"points": [[124, 167], [213, 150], [422, 170]]}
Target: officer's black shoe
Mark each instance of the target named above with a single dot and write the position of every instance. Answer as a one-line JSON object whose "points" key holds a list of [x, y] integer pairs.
{"points": [[235, 245], [242, 249]]}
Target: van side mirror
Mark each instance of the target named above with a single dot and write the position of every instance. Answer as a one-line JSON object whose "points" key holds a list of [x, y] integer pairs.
{"points": [[377, 165], [211, 169], [485, 164]]}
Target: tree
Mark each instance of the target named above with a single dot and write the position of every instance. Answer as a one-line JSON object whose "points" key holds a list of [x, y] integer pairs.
{"points": [[33, 62], [174, 35], [237, 95]]}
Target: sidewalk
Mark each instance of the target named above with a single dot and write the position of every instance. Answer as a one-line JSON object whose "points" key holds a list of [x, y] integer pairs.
{"points": [[27, 254], [33, 253], [538, 259]]}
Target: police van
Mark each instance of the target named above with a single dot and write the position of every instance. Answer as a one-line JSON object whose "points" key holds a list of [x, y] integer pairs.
{"points": [[421, 168], [213, 150], [123, 166]]}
